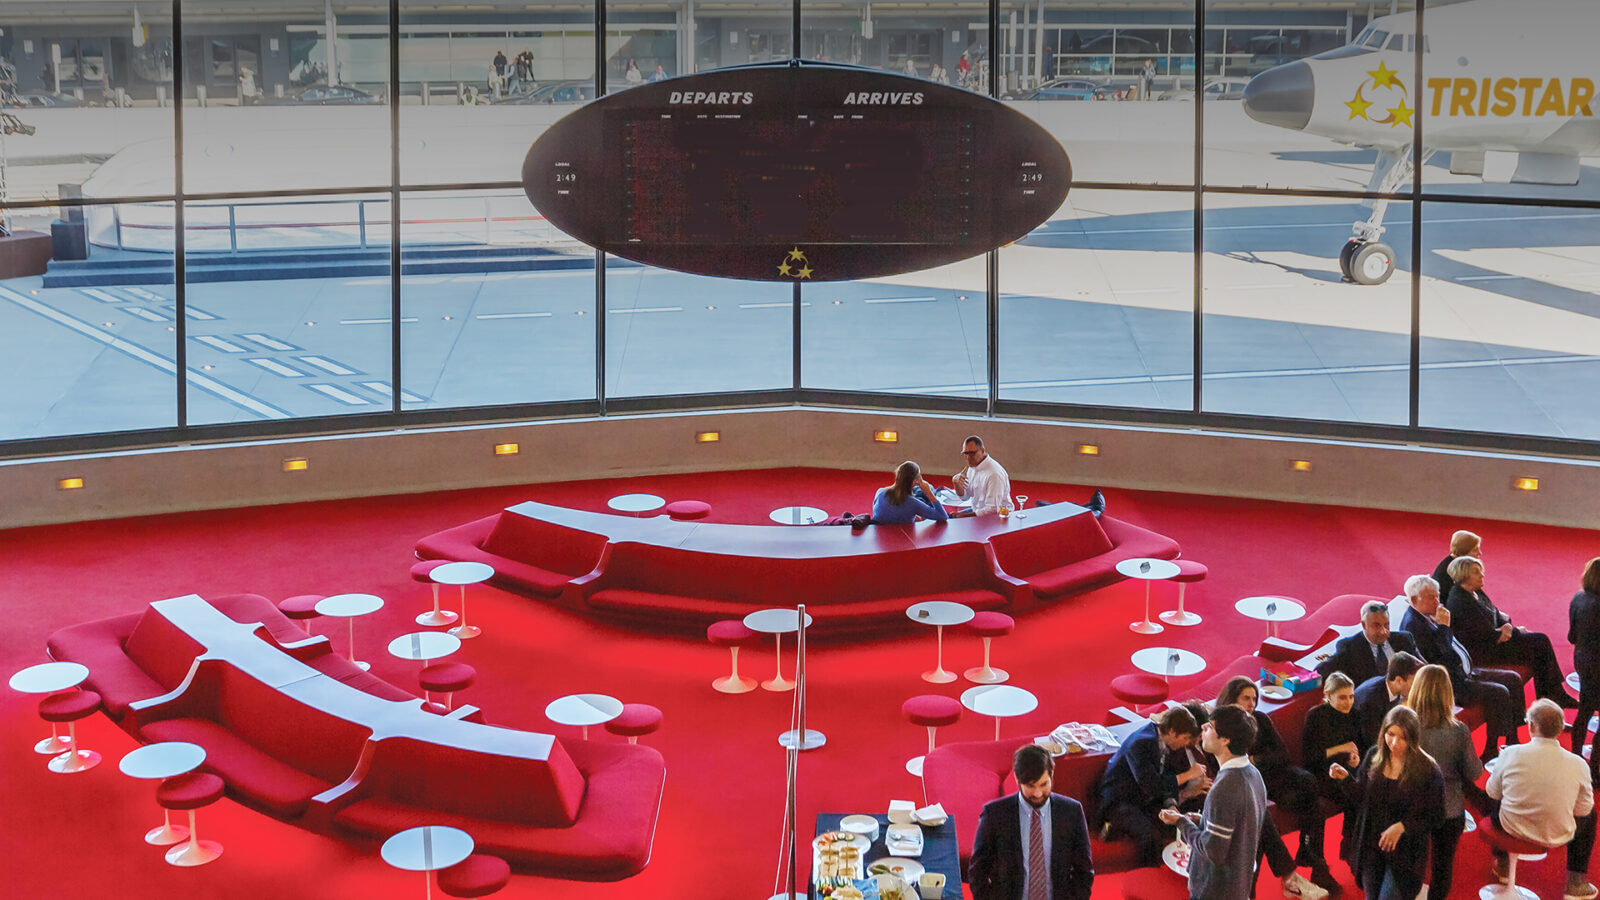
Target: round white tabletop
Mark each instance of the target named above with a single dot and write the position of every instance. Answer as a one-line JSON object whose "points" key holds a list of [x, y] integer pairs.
{"points": [[583, 710], [1272, 610], [162, 760], [797, 515], [636, 503], [940, 612], [424, 645], [427, 848], [775, 621], [349, 605], [1000, 701], [462, 573], [1574, 681], [1169, 662], [1147, 568], [47, 678]]}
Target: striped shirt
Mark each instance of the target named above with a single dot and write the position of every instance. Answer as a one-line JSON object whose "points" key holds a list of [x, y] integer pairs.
{"points": [[1224, 844]]}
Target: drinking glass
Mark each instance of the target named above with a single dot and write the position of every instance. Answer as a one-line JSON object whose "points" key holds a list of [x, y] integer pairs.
{"points": [[1005, 507], [1022, 503]]}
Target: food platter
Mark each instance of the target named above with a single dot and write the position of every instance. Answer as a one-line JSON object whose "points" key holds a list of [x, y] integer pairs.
{"points": [[908, 869]]}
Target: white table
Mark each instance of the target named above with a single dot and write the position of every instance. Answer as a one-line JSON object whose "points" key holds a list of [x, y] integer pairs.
{"points": [[462, 574], [424, 645], [158, 761], [636, 504], [939, 613], [798, 515], [1271, 610], [47, 678], [1168, 662], [999, 700], [350, 606], [1147, 570], [583, 710], [776, 622], [427, 849], [1574, 682]]}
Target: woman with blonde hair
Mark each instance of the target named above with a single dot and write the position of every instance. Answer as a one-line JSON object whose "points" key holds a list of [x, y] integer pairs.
{"points": [[899, 502], [1449, 742], [1398, 795]]}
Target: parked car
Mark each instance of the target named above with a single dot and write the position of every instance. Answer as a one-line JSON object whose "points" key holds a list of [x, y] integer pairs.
{"points": [[1064, 89], [555, 92], [326, 95], [43, 100], [1226, 87]]}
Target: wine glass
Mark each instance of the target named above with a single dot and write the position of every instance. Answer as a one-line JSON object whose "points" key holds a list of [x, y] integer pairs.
{"points": [[1022, 502]]}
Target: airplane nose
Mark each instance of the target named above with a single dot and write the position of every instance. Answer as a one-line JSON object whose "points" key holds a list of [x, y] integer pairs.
{"points": [[1281, 96]]}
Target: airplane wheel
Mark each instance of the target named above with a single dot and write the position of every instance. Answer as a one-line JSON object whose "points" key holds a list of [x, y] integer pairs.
{"points": [[1373, 263], [1346, 252]]}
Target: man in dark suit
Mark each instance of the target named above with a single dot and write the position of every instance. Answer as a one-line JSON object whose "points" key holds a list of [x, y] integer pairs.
{"points": [[1381, 693], [1498, 692], [1359, 655], [1034, 844], [1490, 637], [1139, 781]]}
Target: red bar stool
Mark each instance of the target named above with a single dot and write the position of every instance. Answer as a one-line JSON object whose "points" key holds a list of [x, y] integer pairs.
{"points": [[1188, 571], [479, 875], [733, 634], [636, 719], [683, 510], [1140, 688], [420, 572], [930, 711], [301, 608], [446, 678], [989, 625], [69, 707], [1515, 848], [189, 792]]}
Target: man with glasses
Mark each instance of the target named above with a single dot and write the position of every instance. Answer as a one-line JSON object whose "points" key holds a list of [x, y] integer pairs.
{"points": [[983, 481]]}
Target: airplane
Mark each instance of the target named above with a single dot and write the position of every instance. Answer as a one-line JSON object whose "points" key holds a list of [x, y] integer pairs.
{"points": [[1508, 89]]}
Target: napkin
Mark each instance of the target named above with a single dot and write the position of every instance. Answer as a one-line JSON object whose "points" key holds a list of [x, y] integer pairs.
{"points": [[901, 811]]}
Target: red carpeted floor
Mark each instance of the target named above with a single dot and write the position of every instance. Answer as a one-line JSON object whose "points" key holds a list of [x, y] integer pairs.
{"points": [[79, 836]]}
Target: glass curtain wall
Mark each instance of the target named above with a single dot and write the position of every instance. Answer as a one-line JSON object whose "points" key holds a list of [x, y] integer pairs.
{"points": [[334, 225]]}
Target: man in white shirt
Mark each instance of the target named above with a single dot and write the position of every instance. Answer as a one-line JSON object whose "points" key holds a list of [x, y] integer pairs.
{"points": [[1544, 795], [983, 481]]}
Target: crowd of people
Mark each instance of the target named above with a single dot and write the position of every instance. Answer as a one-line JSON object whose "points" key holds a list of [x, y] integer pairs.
{"points": [[1384, 750]]}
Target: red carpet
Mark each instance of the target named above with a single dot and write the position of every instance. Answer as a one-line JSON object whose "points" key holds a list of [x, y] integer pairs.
{"points": [[79, 836]]}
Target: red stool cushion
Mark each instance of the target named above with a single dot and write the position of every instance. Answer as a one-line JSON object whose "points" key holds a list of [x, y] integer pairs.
{"points": [[931, 709], [1189, 570], [303, 606], [420, 571], [475, 876], [992, 624], [687, 509], [1140, 688], [69, 706], [729, 633], [446, 678], [190, 790], [1159, 883], [1495, 836], [636, 719]]}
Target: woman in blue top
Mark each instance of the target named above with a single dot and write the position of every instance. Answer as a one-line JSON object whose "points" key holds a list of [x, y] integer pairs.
{"points": [[899, 503]]}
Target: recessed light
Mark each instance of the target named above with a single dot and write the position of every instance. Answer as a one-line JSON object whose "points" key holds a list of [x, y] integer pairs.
{"points": [[1088, 449], [1525, 484], [297, 464], [886, 437], [1300, 465], [68, 484]]}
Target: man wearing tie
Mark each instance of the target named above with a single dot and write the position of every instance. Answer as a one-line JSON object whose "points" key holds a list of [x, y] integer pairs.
{"points": [[1376, 696], [1498, 692], [1366, 655], [1034, 844]]}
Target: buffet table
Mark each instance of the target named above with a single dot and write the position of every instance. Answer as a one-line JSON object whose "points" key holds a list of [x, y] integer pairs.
{"points": [[939, 853]]}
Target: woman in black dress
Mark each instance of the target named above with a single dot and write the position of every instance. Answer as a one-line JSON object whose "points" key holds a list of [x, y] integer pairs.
{"points": [[1583, 632], [1398, 795]]}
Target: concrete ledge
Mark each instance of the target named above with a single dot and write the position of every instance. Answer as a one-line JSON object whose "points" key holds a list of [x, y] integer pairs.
{"points": [[1384, 476]]}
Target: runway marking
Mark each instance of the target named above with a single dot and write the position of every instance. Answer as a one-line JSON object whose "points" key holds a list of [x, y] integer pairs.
{"points": [[151, 296], [193, 312], [785, 305], [146, 314], [403, 320], [218, 343], [326, 365], [646, 309], [526, 315], [900, 300], [100, 295], [1487, 277], [382, 387], [276, 368], [194, 378], [1343, 223], [267, 342], [340, 394]]}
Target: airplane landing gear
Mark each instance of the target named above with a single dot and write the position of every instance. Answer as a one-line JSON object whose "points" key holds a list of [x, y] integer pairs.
{"points": [[1367, 262], [1365, 259]]}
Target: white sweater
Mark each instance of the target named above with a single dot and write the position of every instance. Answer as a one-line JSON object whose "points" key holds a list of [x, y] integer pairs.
{"points": [[1542, 790]]}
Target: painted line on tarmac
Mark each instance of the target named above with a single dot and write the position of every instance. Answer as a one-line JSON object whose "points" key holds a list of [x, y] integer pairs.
{"points": [[276, 368], [340, 394], [382, 387], [102, 296], [1487, 277], [526, 315], [270, 343], [195, 379], [327, 365], [645, 309], [1145, 291], [1343, 223], [217, 343], [785, 305], [899, 300], [148, 315]]}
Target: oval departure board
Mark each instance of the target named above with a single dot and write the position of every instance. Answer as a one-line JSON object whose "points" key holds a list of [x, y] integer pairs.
{"points": [[796, 171]]}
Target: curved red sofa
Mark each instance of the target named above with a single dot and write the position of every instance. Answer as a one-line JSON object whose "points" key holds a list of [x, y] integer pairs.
{"points": [[301, 734], [690, 574]]}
